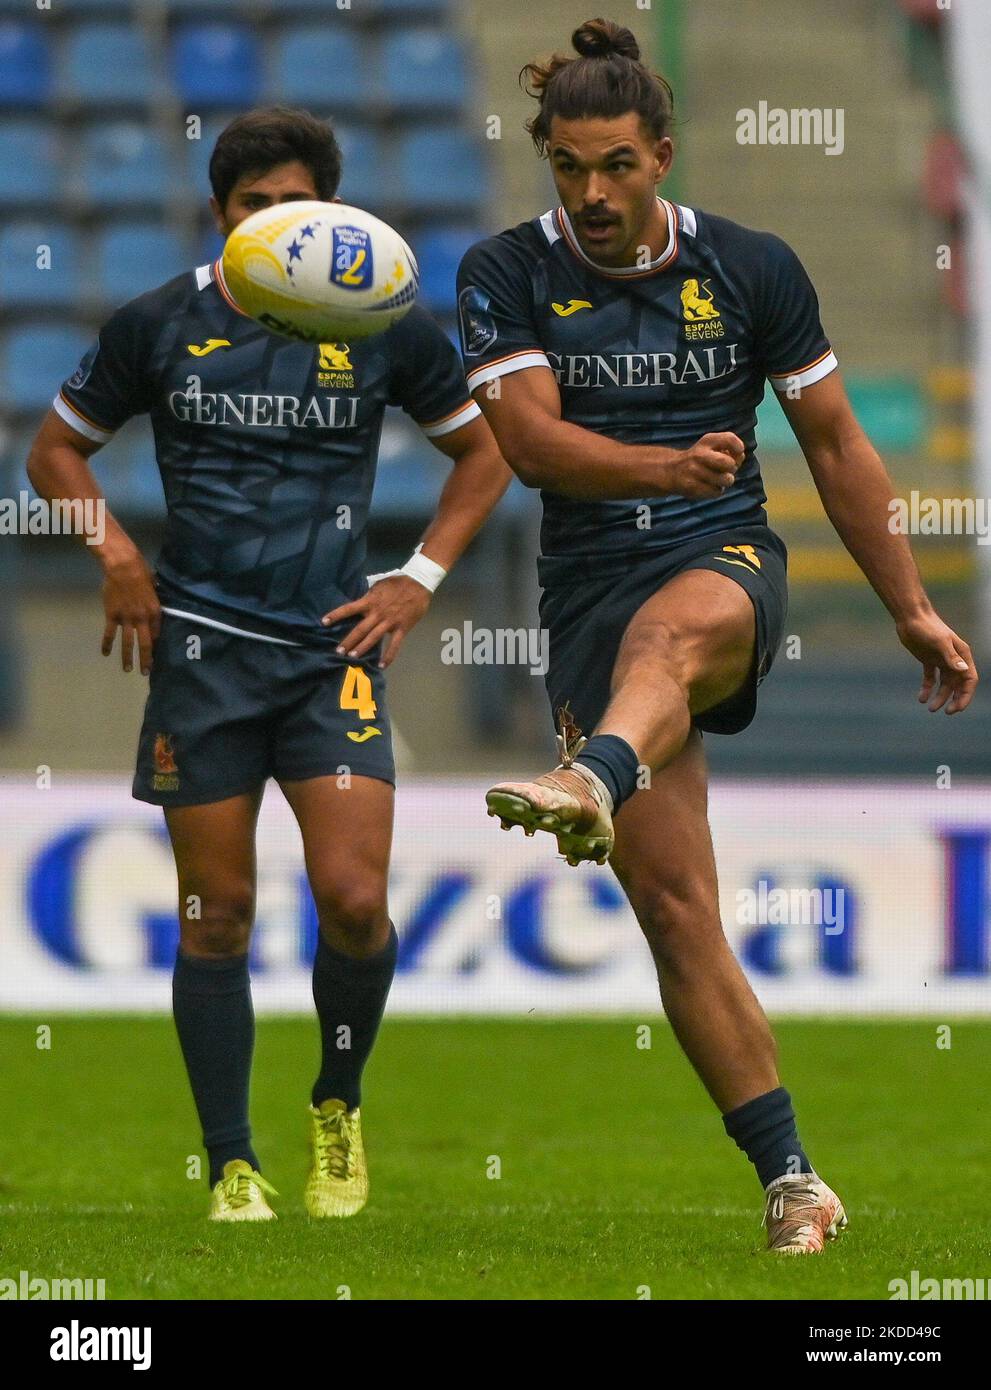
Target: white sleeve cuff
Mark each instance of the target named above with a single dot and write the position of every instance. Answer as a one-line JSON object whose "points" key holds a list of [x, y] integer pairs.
{"points": [[79, 422], [502, 366], [434, 428], [805, 376]]}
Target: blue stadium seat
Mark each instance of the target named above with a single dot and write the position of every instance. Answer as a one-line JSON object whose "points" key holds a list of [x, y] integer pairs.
{"points": [[439, 168], [22, 282], [216, 65], [318, 65], [109, 64], [122, 164], [27, 164], [363, 181], [132, 257], [423, 69], [25, 65], [35, 361], [438, 253]]}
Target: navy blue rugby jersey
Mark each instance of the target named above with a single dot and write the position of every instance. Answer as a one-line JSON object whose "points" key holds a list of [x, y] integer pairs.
{"points": [[659, 355], [267, 448]]}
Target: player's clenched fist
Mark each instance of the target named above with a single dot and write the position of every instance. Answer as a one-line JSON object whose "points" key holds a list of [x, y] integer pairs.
{"points": [[706, 469]]}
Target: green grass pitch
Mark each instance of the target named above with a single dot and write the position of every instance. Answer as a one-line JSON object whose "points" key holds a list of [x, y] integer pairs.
{"points": [[615, 1171]]}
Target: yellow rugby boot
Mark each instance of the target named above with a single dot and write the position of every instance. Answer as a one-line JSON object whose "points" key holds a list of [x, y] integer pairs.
{"points": [[570, 802], [801, 1214], [240, 1195], [338, 1181]]}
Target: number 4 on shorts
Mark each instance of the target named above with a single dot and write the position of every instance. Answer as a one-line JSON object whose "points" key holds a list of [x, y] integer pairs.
{"points": [[356, 692]]}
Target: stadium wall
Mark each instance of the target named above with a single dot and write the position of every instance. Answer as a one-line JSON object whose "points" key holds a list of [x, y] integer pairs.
{"points": [[838, 898]]}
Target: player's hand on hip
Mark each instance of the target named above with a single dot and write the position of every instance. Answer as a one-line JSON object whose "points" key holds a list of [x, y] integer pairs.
{"points": [[390, 608], [947, 662], [131, 604], [708, 468]]}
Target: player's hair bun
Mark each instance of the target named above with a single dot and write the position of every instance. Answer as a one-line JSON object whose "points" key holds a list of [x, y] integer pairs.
{"points": [[574, 88], [601, 38]]}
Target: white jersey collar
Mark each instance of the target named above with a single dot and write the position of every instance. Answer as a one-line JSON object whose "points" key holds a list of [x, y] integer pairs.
{"points": [[623, 270]]}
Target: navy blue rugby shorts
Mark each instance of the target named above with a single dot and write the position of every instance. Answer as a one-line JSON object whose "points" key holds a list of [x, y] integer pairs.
{"points": [[228, 712], [586, 607]]}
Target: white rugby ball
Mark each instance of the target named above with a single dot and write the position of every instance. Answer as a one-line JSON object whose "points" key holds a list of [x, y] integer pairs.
{"points": [[319, 272]]}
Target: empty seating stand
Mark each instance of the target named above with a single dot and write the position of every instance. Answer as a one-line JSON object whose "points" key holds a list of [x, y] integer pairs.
{"points": [[216, 65], [25, 66], [28, 165], [39, 265], [109, 65], [314, 64], [35, 360], [133, 257], [121, 164]]}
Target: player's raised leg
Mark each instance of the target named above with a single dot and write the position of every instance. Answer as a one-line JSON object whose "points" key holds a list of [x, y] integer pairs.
{"points": [[687, 648], [352, 970], [211, 994], [664, 860]]}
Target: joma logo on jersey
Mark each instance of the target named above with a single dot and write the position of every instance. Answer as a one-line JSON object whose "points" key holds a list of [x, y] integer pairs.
{"points": [[571, 307], [335, 367], [275, 412], [211, 345], [699, 310], [644, 368]]}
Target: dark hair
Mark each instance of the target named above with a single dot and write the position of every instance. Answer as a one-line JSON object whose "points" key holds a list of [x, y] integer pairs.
{"points": [[606, 79], [271, 135]]}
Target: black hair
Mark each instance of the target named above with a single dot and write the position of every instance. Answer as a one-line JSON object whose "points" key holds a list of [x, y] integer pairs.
{"points": [[271, 135]]}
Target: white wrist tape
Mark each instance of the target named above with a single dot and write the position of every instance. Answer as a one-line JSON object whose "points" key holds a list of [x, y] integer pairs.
{"points": [[419, 567], [424, 570]]}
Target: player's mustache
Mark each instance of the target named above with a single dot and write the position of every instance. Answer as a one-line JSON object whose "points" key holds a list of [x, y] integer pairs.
{"points": [[597, 215]]}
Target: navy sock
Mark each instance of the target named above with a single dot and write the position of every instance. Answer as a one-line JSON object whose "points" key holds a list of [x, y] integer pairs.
{"points": [[349, 993], [211, 1004], [764, 1129], [612, 760]]}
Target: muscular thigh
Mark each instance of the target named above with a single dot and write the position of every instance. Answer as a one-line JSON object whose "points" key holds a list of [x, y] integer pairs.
{"points": [[699, 627]]}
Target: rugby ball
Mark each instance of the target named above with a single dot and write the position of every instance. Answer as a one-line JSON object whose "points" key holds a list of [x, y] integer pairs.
{"points": [[319, 272]]}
